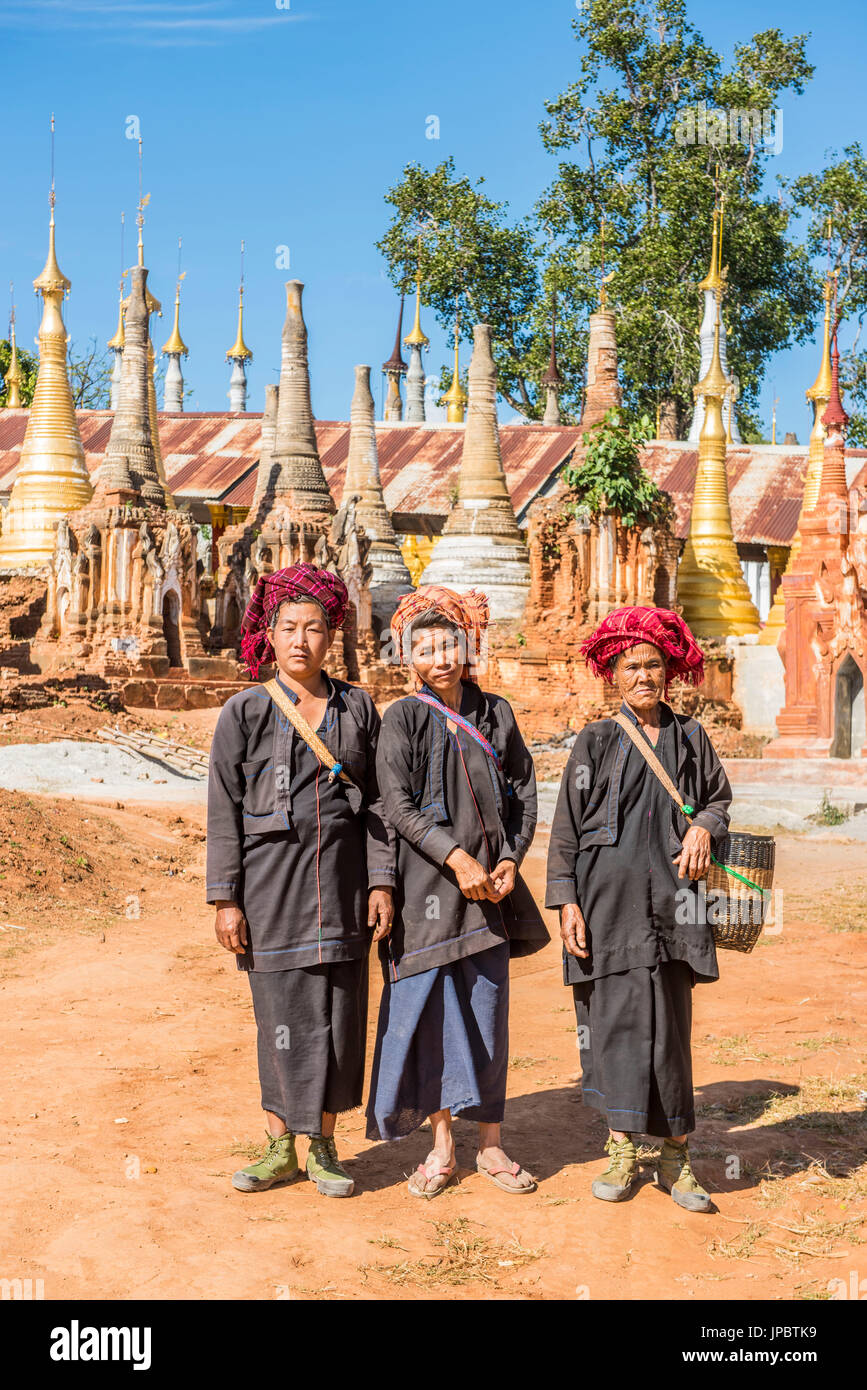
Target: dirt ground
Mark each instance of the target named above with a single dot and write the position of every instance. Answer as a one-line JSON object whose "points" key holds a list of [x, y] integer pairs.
{"points": [[129, 1096]]}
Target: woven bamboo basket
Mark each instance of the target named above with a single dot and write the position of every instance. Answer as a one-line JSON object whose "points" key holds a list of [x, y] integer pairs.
{"points": [[741, 875]]}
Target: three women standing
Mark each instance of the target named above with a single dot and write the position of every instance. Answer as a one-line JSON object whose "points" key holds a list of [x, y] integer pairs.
{"points": [[304, 861]]}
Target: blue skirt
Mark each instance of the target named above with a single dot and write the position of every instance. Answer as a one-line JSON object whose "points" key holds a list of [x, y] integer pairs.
{"points": [[442, 1043]]}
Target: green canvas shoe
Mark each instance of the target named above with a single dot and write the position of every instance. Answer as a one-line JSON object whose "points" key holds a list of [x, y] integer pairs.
{"points": [[325, 1169], [676, 1176], [279, 1164], [622, 1170]]}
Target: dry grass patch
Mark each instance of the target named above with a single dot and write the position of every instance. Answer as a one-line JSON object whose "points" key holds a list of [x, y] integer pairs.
{"points": [[738, 1048], [832, 1104], [818, 1236], [741, 1246], [464, 1258]]}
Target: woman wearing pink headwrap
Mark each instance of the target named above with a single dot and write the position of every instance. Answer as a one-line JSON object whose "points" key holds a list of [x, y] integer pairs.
{"points": [[623, 868], [459, 789], [300, 868]]}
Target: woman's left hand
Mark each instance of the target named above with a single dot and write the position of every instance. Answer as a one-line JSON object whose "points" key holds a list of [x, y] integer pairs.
{"points": [[380, 911], [503, 878], [694, 858]]}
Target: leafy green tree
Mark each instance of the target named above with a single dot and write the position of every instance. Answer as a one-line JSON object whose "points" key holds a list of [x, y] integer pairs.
{"points": [[89, 377], [27, 364], [611, 476], [639, 145], [839, 193], [469, 258]]}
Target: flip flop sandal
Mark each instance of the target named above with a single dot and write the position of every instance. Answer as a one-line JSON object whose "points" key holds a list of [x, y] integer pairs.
{"points": [[514, 1171], [447, 1173]]}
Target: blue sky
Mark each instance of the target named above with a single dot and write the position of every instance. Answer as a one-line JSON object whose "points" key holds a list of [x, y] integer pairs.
{"points": [[284, 123]]}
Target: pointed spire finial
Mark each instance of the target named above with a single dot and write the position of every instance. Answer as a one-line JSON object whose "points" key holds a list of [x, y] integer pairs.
{"points": [[552, 376], [416, 337], [239, 350], [455, 399], [52, 277], [395, 362], [13, 376], [835, 418]]}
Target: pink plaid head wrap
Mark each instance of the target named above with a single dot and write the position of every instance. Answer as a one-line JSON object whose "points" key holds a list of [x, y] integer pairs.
{"points": [[298, 582], [628, 627]]}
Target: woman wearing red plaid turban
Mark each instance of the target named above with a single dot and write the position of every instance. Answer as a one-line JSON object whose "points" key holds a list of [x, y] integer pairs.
{"points": [[624, 868], [300, 868]]}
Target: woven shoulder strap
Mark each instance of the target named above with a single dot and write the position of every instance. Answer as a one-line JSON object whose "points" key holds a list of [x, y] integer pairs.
{"points": [[309, 735], [654, 764]]}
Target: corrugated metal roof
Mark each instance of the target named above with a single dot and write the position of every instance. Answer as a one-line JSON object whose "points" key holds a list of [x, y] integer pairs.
{"points": [[419, 464], [213, 456], [766, 485]]}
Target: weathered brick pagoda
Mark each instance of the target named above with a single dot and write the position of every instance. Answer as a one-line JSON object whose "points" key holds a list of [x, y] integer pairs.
{"points": [[824, 644]]}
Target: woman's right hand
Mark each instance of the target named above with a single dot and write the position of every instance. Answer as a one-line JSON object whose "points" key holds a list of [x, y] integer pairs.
{"points": [[473, 881], [573, 931], [231, 928]]}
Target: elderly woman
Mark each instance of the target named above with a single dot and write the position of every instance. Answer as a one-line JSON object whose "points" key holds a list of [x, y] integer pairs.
{"points": [[623, 869], [299, 867], [459, 789]]}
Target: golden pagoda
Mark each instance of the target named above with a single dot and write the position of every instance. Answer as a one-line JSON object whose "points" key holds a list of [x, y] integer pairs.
{"points": [[455, 399], [714, 278], [175, 344], [819, 393], [239, 348], [416, 337], [710, 581], [52, 478], [117, 342], [12, 380]]}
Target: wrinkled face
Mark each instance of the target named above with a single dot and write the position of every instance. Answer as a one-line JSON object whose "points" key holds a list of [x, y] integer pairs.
{"points": [[640, 676], [301, 638], [438, 657]]}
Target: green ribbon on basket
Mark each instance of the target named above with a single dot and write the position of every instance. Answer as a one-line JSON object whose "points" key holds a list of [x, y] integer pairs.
{"points": [[690, 810], [735, 874]]}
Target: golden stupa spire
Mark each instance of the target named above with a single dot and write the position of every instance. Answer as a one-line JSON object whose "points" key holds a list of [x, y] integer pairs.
{"points": [[456, 397], [710, 581], [821, 388], [52, 478], [713, 280], [118, 340], [175, 343], [12, 380], [239, 349], [116, 343], [416, 337], [714, 382]]}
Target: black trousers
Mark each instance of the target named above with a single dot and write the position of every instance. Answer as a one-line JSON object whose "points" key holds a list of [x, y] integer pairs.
{"points": [[312, 1033], [636, 1059]]}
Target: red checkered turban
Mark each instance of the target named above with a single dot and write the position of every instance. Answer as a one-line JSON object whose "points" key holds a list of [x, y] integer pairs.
{"points": [[469, 612], [297, 582], [628, 627]]}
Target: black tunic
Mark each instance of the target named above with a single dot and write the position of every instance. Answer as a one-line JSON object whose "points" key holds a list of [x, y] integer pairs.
{"points": [[613, 838], [296, 852], [440, 791]]}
